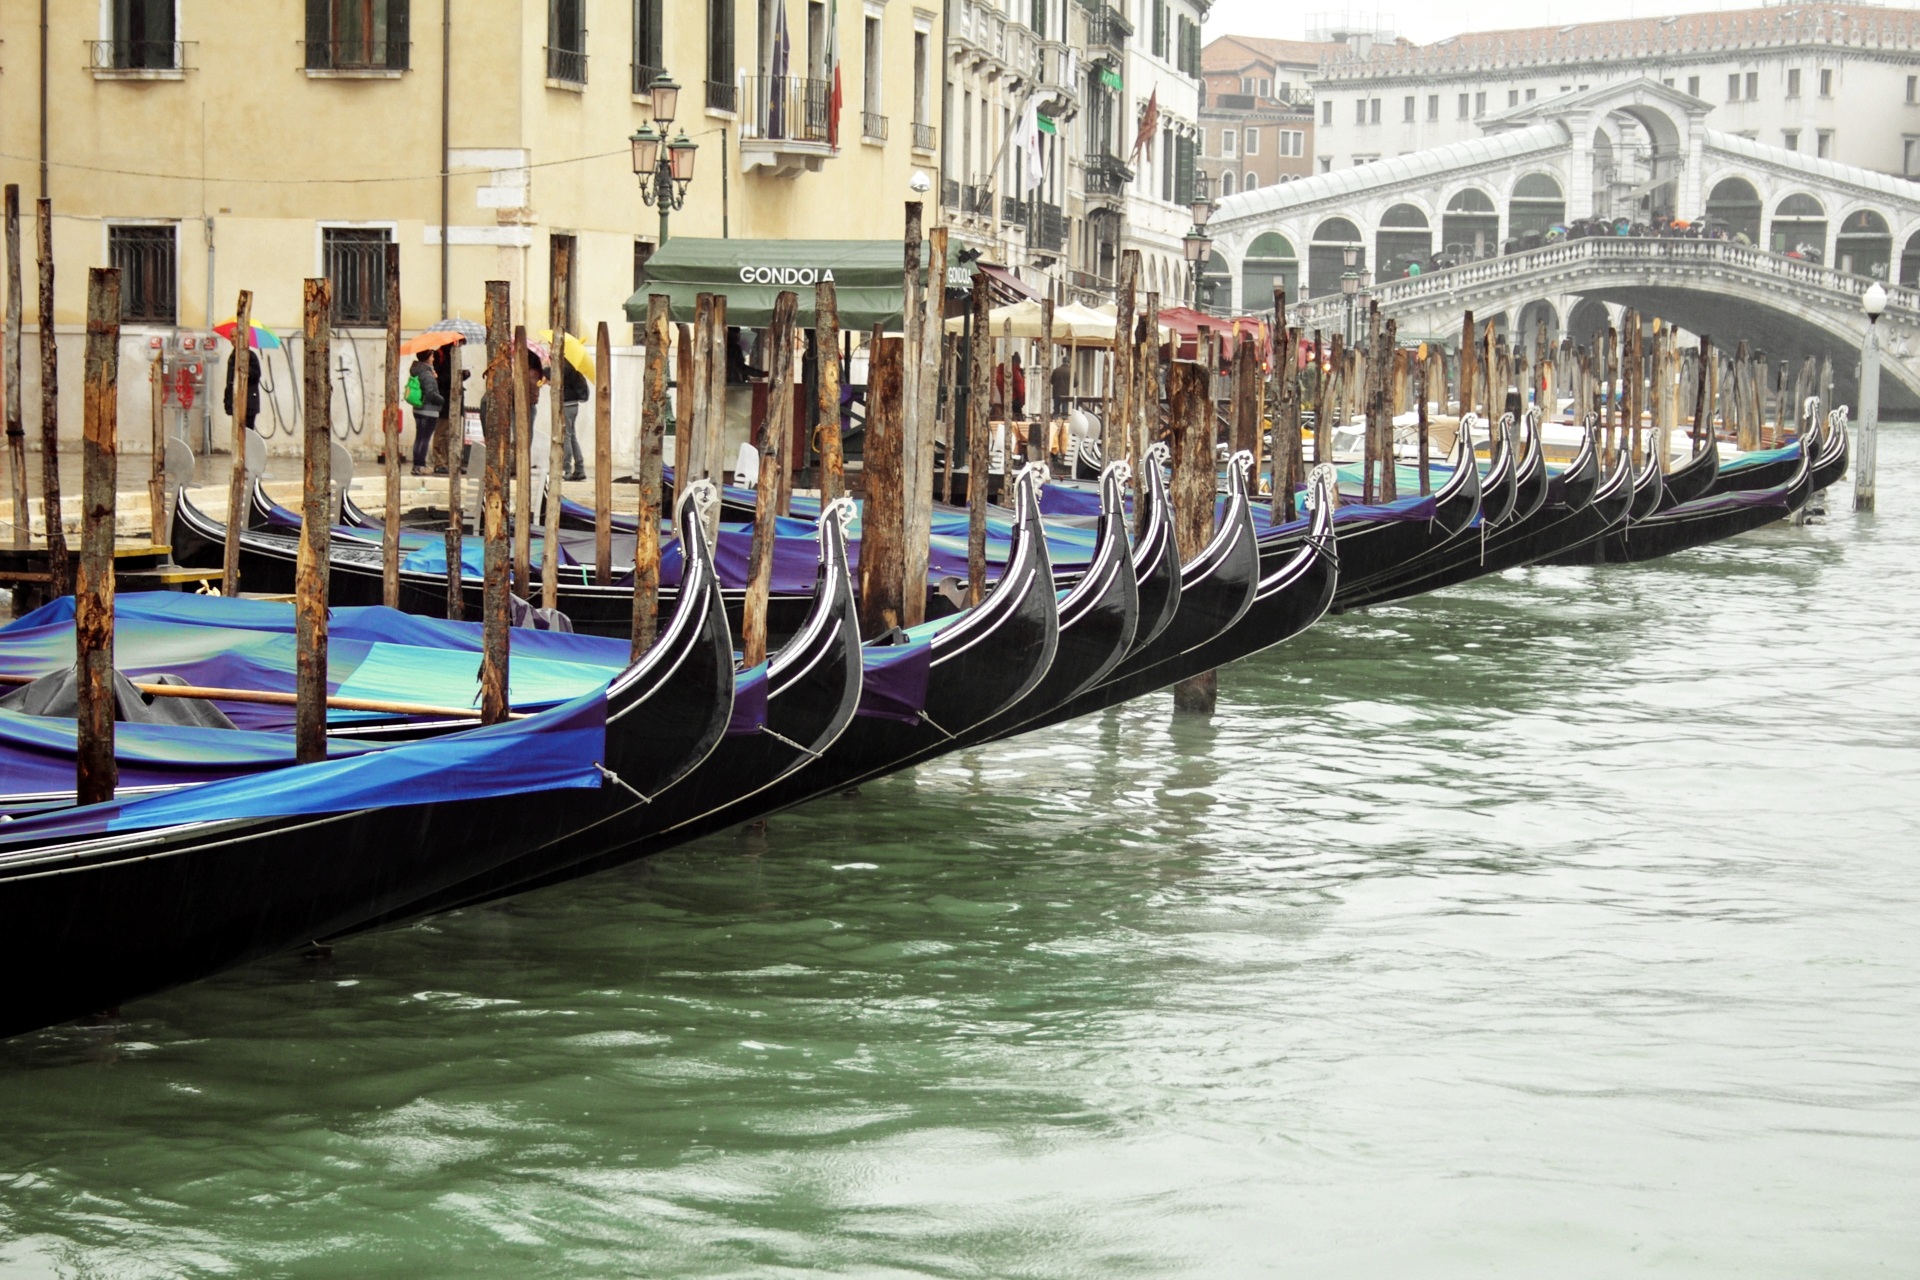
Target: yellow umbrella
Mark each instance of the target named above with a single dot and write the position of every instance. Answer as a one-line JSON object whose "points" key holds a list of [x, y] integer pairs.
{"points": [[574, 350]]}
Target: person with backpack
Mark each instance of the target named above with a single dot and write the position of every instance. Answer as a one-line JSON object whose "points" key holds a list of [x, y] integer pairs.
{"points": [[574, 392], [423, 394]]}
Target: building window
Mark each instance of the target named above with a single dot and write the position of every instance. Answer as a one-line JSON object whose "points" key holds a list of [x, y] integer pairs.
{"points": [[1823, 144], [1250, 142], [141, 38], [149, 273], [1249, 182], [1790, 139], [356, 259], [1228, 142], [1433, 106], [1913, 89], [1200, 140], [720, 93], [649, 60], [1359, 110], [1753, 85], [1693, 86], [873, 124], [1373, 111], [1326, 164], [1909, 152], [1513, 97], [1226, 183], [1159, 29], [1326, 112], [1793, 82], [1733, 87], [1406, 110], [357, 35], [1465, 109], [1479, 104], [1299, 143], [1826, 84], [922, 83], [1530, 94], [567, 41], [1266, 87]]}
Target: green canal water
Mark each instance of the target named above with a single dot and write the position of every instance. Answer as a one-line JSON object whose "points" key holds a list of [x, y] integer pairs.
{"points": [[1563, 924]]}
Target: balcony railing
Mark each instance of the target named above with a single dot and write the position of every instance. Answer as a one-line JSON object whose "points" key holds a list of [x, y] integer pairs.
{"points": [[787, 108], [922, 136], [722, 96], [1108, 28], [569, 65], [1107, 176], [644, 75], [357, 55], [983, 201], [137, 55], [1049, 230], [1013, 209], [950, 193], [873, 126]]}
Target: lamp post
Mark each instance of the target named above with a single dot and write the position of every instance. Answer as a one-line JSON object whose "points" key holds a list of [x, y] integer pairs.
{"points": [[1873, 302], [665, 169], [1199, 247], [1350, 285]]}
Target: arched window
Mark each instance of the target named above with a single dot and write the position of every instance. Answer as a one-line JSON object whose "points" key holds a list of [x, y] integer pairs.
{"points": [[1226, 183], [1910, 262], [1537, 206], [1403, 240], [1270, 259], [1250, 181], [1333, 240], [1864, 245], [1799, 227], [1470, 227], [1735, 205]]}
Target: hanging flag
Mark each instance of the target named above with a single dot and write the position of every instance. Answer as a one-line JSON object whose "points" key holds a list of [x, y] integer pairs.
{"points": [[1046, 124], [1149, 125], [1026, 140], [1111, 78], [833, 61]]}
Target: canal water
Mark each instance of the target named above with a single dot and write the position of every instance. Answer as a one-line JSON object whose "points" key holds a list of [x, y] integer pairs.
{"points": [[1563, 924]]}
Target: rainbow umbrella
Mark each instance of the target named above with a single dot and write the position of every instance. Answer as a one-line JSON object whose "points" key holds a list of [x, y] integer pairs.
{"points": [[257, 338]]}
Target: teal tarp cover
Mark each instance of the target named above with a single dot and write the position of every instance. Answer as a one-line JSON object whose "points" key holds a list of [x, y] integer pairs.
{"points": [[866, 274]]}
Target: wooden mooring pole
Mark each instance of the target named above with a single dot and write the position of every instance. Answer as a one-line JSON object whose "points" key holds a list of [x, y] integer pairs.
{"points": [[59, 570], [237, 475], [316, 529], [558, 292], [883, 519], [918, 293], [602, 456], [496, 607], [1190, 420], [826, 330], [979, 446], [390, 438], [157, 469], [522, 468], [1118, 428], [1702, 400], [16, 424], [96, 771], [456, 506], [647, 471], [776, 433]]}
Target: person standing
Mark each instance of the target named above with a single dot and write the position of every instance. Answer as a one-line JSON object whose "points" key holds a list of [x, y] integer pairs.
{"points": [[253, 384], [424, 382], [574, 392], [1017, 406], [1062, 385]]}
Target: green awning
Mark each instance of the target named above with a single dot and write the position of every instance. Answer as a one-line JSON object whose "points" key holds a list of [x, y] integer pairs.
{"points": [[866, 277]]}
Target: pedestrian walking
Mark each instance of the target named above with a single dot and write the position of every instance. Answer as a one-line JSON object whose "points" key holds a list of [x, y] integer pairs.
{"points": [[253, 384], [424, 395], [574, 392]]}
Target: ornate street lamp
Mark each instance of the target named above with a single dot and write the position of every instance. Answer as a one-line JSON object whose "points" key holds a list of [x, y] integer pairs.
{"points": [[664, 169], [1199, 247], [1873, 302]]}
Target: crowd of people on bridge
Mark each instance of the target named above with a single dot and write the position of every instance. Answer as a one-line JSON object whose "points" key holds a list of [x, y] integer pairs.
{"points": [[1660, 228]]}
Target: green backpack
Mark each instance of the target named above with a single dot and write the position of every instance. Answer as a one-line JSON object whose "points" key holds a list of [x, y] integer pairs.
{"points": [[413, 391]]}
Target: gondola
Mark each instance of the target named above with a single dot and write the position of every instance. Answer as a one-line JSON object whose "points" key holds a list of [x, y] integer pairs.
{"points": [[807, 697], [1693, 478], [975, 665], [1643, 501], [1761, 470], [113, 901], [1498, 493], [1831, 464], [1709, 519]]}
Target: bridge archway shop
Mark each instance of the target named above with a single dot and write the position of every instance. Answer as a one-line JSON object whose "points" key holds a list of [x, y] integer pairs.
{"points": [[1799, 225], [1735, 205], [1404, 240], [1538, 205], [1270, 259], [1470, 227], [1326, 255], [1864, 246]]}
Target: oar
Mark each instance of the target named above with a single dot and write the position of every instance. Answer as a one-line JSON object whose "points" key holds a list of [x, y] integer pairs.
{"points": [[273, 698]]}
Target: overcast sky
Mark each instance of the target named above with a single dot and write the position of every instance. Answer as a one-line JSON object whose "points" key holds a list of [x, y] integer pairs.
{"points": [[1432, 19]]}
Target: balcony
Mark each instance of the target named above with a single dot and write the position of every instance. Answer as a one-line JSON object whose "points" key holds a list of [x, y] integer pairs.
{"points": [[643, 77], [566, 66], [1107, 178], [949, 193], [1048, 231], [1054, 77], [137, 59], [873, 127], [786, 126], [1107, 32], [922, 136], [722, 96]]}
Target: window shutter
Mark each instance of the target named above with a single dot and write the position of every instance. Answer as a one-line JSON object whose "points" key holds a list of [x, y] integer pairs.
{"points": [[399, 34], [319, 52]]}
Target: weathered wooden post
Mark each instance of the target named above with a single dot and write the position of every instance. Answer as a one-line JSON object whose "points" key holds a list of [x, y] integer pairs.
{"points": [[237, 484], [1372, 403], [1702, 399], [1864, 465], [59, 570], [1246, 398], [979, 444], [776, 430], [157, 470], [316, 530], [456, 418], [950, 416], [390, 424], [1747, 434], [559, 290], [96, 771], [1040, 439], [690, 394], [826, 329], [647, 470], [522, 467], [918, 387], [913, 332], [602, 456], [1469, 383], [1190, 421], [1321, 425], [923, 419], [1422, 378], [1147, 373], [1394, 362], [883, 519], [718, 464], [16, 423], [1116, 436], [496, 425]]}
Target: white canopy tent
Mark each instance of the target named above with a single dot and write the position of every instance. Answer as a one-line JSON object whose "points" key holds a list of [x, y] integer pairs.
{"points": [[1073, 325]]}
